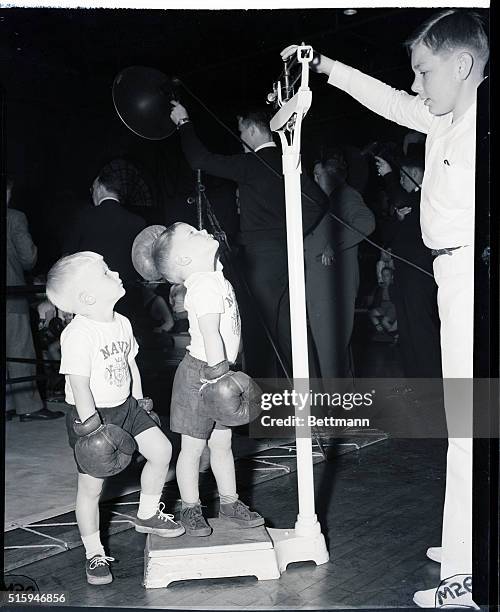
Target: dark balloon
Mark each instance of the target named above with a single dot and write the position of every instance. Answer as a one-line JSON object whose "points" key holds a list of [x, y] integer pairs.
{"points": [[142, 100]]}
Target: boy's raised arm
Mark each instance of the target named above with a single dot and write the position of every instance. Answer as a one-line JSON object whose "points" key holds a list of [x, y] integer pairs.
{"points": [[393, 104]]}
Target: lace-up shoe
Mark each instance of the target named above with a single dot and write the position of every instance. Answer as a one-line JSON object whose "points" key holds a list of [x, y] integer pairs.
{"points": [[240, 515], [194, 522], [160, 524], [97, 570]]}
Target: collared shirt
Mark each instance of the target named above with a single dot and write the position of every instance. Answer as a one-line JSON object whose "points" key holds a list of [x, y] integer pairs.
{"points": [[265, 145], [104, 198], [448, 188]]}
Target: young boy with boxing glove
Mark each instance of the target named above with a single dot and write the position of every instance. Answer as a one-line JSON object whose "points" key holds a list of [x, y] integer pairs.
{"points": [[109, 417], [207, 397]]}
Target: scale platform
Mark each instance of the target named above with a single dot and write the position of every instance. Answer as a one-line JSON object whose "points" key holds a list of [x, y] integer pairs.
{"points": [[229, 551]]}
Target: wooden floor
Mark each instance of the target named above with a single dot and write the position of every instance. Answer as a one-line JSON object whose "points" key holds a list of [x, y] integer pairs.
{"points": [[380, 508]]}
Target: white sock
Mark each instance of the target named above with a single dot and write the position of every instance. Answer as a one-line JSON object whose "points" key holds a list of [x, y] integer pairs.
{"points": [[92, 544], [148, 505], [228, 499], [185, 505]]}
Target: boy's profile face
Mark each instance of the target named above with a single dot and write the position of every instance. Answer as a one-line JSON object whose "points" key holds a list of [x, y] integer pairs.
{"points": [[436, 78], [196, 245], [98, 281]]}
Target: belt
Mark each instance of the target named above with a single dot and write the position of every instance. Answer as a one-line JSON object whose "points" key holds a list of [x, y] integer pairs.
{"points": [[447, 251]]}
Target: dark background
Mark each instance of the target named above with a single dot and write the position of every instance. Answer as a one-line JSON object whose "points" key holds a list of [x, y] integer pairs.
{"points": [[58, 65]]}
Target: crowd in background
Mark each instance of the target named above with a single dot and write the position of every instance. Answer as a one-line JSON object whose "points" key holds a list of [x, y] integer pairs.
{"points": [[372, 192]]}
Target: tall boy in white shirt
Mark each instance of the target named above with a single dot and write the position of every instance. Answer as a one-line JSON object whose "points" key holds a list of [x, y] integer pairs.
{"points": [[448, 56]]}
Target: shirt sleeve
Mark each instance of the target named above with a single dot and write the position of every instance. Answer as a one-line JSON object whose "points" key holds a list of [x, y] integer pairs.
{"points": [[393, 104], [206, 297], [25, 248], [357, 214], [76, 353], [233, 167]]}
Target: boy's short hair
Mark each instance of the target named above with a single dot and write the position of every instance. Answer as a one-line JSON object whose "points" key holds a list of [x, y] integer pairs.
{"points": [[61, 288], [162, 254], [452, 28]]}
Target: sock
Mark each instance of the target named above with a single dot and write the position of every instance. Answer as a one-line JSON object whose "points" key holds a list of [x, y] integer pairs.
{"points": [[190, 505], [228, 499], [92, 544], [148, 505]]}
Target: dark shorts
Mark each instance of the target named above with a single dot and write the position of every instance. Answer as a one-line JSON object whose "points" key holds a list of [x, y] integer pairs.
{"points": [[185, 417], [129, 416]]}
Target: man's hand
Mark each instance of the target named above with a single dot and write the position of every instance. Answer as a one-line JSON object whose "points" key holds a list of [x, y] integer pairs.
{"points": [[383, 167], [320, 63], [179, 114], [402, 212]]}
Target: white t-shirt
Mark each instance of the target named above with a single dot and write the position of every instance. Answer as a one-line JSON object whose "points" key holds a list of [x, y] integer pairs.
{"points": [[102, 352], [211, 293], [448, 196]]}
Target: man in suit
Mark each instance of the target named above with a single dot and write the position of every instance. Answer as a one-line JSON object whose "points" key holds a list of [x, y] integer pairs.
{"points": [[22, 399], [109, 229], [332, 270], [262, 233]]}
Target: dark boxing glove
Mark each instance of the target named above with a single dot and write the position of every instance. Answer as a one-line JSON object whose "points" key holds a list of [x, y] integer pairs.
{"points": [[102, 450], [230, 398], [146, 403]]}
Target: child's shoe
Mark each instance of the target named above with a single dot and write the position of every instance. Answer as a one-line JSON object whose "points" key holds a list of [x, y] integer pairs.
{"points": [[240, 515], [97, 570], [194, 522], [160, 524]]}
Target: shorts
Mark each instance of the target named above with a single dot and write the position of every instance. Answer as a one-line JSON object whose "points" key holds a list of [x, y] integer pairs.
{"points": [[185, 417], [129, 416]]}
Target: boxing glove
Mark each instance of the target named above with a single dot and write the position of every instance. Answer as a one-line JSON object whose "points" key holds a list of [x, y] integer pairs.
{"points": [[102, 450], [146, 403], [230, 398]]}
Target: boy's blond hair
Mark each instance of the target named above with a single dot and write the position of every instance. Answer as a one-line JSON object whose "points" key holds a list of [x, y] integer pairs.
{"points": [[62, 288]]}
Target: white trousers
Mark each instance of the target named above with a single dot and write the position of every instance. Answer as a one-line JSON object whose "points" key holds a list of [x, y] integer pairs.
{"points": [[455, 279]]}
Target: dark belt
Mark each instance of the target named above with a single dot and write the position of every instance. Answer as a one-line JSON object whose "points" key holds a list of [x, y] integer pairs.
{"points": [[448, 251]]}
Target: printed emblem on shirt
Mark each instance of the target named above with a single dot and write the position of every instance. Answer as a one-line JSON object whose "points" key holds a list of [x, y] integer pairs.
{"points": [[115, 356], [117, 372], [232, 306]]}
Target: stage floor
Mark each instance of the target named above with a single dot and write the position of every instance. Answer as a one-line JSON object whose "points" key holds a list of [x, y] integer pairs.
{"points": [[380, 508]]}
